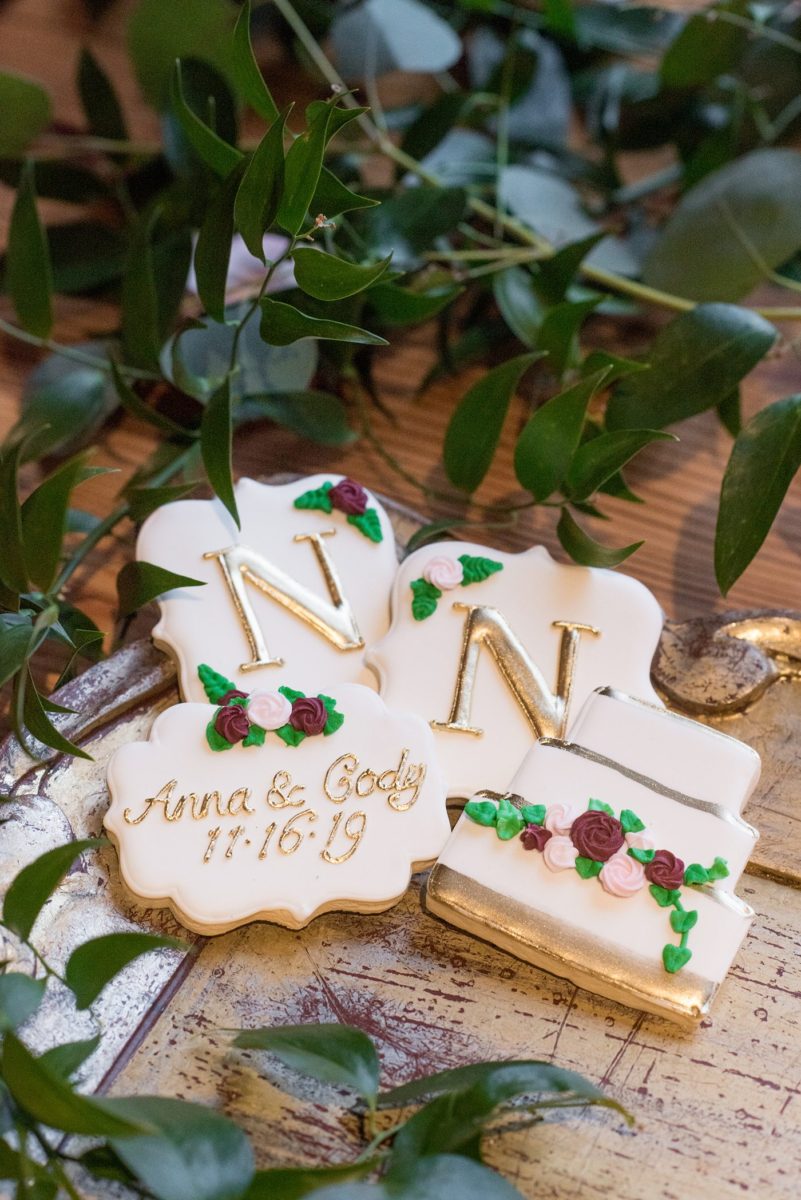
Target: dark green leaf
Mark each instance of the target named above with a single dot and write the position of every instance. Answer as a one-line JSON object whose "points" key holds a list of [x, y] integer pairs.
{"points": [[249, 79], [20, 996], [315, 415], [302, 170], [704, 48], [585, 550], [293, 1183], [282, 324], [34, 709], [394, 305], [213, 248], [329, 278], [601, 457], [99, 100], [24, 112], [32, 887], [516, 298], [332, 198], [160, 33], [94, 964], [28, 271], [143, 501], [730, 229], [696, 362], [556, 274], [434, 122], [409, 222], [216, 438], [331, 1052], [498, 1081], [377, 36], [615, 366], [57, 181], [209, 146], [64, 1060], [764, 460], [260, 191], [140, 582], [44, 520], [558, 334], [140, 307], [14, 644], [546, 446], [13, 570], [475, 428], [447, 1177], [730, 413], [133, 404], [45, 1096]]}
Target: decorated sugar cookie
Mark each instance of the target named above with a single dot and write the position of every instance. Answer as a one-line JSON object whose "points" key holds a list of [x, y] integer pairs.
{"points": [[298, 592], [496, 650], [276, 805], [612, 859]]}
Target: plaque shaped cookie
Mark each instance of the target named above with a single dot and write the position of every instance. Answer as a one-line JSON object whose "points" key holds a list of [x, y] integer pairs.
{"points": [[297, 592], [496, 650], [276, 805], [613, 858]]}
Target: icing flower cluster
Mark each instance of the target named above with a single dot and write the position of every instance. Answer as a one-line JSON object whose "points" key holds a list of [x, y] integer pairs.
{"points": [[347, 497], [247, 717], [617, 850], [443, 573]]}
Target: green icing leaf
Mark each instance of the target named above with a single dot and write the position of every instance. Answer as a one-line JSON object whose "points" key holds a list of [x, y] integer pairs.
{"points": [[317, 498], [291, 695], [642, 856], [483, 812], [425, 599], [476, 569], [335, 717], [368, 523], [215, 740], [215, 685], [533, 814], [588, 867], [683, 922], [600, 806], [631, 822], [255, 737], [675, 957], [663, 896], [510, 821], [696, 874], [290, 735], [719, 869]]}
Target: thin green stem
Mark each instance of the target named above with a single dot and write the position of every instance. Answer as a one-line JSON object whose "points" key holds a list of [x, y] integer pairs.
{"points": [[254, 304], [755, 28], [71, 352]]}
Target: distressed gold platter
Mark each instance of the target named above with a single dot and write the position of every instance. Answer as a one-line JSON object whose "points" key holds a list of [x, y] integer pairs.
{"points": [[432, 996]]}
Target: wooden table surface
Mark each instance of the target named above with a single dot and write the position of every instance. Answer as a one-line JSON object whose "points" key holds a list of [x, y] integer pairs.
{"points": [[702, 1099]]}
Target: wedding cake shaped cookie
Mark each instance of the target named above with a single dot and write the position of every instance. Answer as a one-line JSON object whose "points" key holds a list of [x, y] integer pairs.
{"points": [[613, 858], [276, 805], [496, 650], [298, 591]]}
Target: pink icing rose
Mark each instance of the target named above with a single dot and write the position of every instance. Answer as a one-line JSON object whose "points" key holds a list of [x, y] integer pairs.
{"points": [[270, 710], [559, 854], [622, 875], [640, 841], [443, 572], [559, 818]]}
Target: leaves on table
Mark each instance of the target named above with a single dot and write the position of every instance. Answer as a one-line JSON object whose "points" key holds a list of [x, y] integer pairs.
{"points": [[245, 70], [327, 277], [282, 324], [584, 550], [93, 964], [549, 440], [597, 460], [331, 1052], [377, 36], [32, 887], [28, 271], [20, 996]]}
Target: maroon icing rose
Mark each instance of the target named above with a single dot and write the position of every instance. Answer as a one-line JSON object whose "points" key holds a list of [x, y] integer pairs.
{"points": [[349, 497], [234, 694], [596, 835], [534, 837], [232, 723], [309, 715], [665, 870]]}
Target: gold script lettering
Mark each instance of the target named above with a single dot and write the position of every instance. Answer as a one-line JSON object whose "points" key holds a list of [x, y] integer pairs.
{"points": [[332, 619], [545, 711]]}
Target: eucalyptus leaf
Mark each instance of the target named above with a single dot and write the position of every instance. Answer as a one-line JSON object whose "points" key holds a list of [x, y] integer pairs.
{"points": [[731, 229], [597, 460], [331, 1052], [32, 887], [377, 36], [140, 582], [695, 362], [65, 403], [327, 277], [550, 438], [259, 193], [282, 324], [584, 550], [216, 446], [764, 460], [94, 963], [20, 996], [319, 416], [249, 79], [25, 111], [409, 222], [28, 271], [475, 428]]}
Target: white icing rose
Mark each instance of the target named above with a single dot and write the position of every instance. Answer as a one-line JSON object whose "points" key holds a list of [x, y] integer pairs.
{"points": [[560, 817], [443, 572], [269, 709], [640, 841], [559, 854], [622, 875]]}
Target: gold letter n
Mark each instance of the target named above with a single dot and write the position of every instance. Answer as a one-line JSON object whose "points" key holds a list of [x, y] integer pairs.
{"points": [[333, 619], [545, 711]]}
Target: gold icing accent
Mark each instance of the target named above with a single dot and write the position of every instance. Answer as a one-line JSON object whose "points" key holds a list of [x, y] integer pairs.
{"points": [[289, 831], [213, 835], [354, 836], [545, 711], [559, 947], [334, 620], [395, 781], [279, 797]]}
